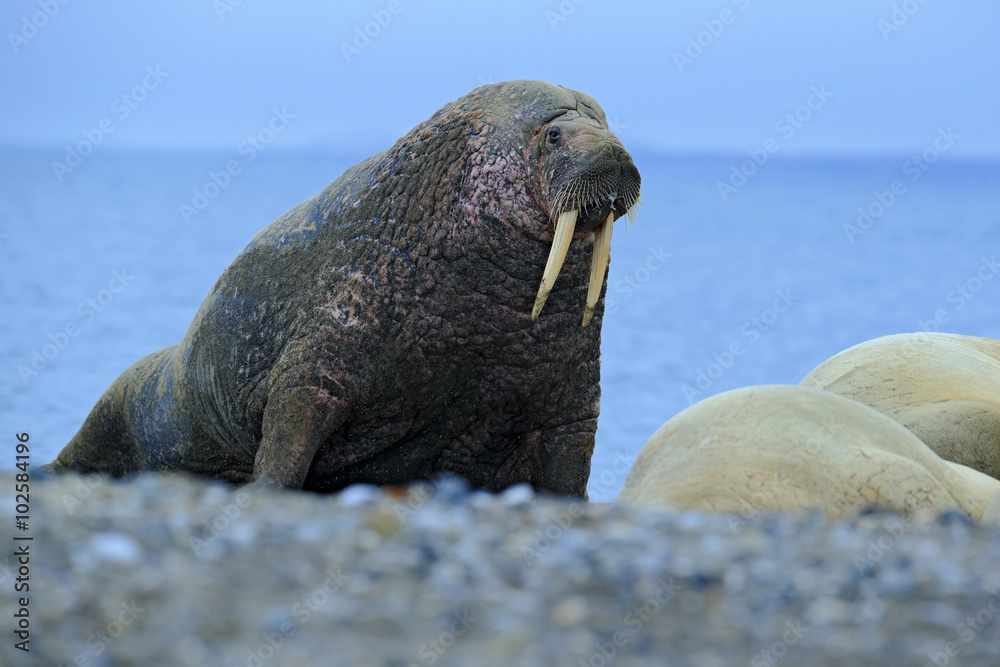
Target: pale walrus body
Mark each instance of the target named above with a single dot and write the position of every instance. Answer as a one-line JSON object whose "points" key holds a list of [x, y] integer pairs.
{"points": [[392, 328], [944, 388], [780, 448]]}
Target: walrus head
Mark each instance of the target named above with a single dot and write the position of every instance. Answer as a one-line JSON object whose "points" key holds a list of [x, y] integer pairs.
{"points": [[536, 149], [579, 173], [588, 181]]}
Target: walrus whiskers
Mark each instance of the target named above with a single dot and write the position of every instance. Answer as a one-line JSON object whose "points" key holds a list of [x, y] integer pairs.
{"points": [[581, 198]]}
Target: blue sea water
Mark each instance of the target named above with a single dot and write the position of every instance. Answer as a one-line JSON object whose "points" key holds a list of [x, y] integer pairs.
{"points": [[103, 268]]}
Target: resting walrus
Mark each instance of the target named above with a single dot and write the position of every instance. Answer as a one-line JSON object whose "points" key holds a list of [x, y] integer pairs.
{"points": [[392, 328]]}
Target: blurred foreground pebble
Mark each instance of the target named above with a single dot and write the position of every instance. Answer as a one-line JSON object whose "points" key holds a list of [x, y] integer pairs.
{"points": [[166, 570]]}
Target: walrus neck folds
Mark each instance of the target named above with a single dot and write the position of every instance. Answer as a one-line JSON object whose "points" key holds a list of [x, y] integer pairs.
{"points": [[465, 198]]}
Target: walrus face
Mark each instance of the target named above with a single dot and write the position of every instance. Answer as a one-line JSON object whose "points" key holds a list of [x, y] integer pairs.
{"points": [[588, 181]]}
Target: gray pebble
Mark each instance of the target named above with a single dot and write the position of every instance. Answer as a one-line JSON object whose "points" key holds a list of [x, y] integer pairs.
{"points": [[115, 547]]}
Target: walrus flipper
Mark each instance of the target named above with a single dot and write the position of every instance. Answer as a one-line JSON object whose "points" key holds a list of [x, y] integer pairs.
{"points": [[297, 422], [566, 459]]}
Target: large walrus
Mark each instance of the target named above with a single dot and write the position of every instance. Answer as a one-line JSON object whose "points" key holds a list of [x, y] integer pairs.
{"points": [[392, 328]]}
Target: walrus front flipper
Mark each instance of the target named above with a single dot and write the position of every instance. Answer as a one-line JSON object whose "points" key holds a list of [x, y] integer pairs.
{"points": [[566, 458], [297, 422]]}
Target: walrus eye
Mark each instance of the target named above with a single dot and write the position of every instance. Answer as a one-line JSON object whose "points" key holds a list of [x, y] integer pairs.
{"points": [[554, 134]]}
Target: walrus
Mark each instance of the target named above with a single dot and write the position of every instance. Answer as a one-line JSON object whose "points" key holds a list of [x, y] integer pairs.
{"points": [[406, 322], [944, 388], [777, 448]]}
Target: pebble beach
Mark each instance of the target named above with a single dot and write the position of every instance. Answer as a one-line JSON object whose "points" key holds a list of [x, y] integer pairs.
{"points": [[172, 570]]}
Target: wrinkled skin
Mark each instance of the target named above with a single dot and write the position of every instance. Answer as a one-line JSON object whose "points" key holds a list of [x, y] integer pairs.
{"points": [[381, 331]]}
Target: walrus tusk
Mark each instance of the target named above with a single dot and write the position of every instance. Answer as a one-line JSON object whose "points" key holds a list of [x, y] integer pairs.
{"points": [[565, 226], [598, 266]]}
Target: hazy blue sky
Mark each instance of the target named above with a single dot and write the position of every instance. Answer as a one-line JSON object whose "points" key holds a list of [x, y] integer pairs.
{"points": [[897, 70]]}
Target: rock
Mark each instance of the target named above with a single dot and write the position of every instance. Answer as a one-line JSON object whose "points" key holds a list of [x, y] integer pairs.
{"points": [[115, 547]]}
